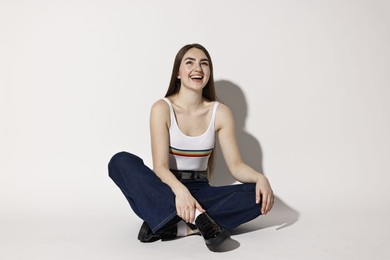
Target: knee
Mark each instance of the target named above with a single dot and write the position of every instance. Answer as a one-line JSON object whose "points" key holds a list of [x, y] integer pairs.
{"points": [[122, 159], [250, 188]]}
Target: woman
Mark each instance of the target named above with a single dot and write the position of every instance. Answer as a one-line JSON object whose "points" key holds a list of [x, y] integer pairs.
{"points": [[175, 199]]}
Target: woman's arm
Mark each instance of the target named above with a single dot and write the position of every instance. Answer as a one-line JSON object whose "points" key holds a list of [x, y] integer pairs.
{"points": [[242, 172], [159, 135]]}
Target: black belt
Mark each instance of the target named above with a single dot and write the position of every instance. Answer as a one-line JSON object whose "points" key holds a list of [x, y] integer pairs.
{"points": [[190, 175]]}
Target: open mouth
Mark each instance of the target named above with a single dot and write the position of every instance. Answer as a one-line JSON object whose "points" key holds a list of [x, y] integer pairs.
{"points": [[197, 77]]}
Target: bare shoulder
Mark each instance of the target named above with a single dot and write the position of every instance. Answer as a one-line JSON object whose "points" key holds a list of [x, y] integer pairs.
{"points": [[160, 107], [224, 116], [159, 114], [222, 108]]}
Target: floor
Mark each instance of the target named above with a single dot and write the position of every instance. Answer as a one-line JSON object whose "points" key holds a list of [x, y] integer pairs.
{"points": [[283, 234]]}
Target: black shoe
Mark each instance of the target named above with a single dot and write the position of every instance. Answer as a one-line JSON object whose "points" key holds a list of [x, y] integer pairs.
{"points": [[212, 233], [146, 235], [194, 230]]}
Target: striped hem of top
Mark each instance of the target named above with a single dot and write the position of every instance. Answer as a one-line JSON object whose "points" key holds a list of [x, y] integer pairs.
{"points": [[190, 153]]}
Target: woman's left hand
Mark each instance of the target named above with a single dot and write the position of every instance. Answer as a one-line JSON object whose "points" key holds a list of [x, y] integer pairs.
{"points": [[264, 194]]}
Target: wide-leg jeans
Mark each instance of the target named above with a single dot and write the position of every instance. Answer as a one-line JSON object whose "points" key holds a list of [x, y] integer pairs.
{"points": [[154, 202]]}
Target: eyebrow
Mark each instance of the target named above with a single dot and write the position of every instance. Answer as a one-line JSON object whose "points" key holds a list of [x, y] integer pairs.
{"points": [[193, 59]]}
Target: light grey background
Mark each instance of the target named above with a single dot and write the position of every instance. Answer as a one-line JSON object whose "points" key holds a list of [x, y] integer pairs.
{"points": [[308, 82]]}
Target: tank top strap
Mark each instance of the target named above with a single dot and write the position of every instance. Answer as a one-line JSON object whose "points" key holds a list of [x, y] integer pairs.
{"points": [[171, 112], [215, 106], [169, 103]]}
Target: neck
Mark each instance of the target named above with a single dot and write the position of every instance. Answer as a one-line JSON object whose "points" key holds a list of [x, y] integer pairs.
{"points": [[190, 100]]}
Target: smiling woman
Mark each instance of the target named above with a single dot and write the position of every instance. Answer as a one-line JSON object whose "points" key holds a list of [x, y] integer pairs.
{"points": [[194, 70], [178, 66], [176, 199]]}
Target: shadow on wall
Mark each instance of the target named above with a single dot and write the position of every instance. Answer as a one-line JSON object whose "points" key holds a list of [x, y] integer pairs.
{"points": [[281, 215]]}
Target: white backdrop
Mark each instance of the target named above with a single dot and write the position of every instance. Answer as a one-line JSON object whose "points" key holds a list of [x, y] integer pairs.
{"points": [[307, 80]]}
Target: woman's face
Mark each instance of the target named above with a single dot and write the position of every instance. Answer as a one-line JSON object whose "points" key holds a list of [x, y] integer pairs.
{"points": [[194, 71]]}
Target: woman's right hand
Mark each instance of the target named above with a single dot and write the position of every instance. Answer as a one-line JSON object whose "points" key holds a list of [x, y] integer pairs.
{"points": [[186, 205]]}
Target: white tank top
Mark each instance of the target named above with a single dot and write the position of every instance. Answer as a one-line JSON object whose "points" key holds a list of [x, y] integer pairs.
{"points": [[190, 152]]}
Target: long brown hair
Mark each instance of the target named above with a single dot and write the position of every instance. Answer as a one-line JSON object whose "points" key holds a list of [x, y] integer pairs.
{"points": [[174, 85], [208, 91]]}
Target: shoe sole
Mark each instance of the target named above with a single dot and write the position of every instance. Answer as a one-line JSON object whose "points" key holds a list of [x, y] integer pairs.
{"points": [[145, 234], [216, 242]]}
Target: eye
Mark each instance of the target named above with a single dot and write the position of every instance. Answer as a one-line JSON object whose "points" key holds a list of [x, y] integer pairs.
{"points": [[189, 62], [205, 63]]}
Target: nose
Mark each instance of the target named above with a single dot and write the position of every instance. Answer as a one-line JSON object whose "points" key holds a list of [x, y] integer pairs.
{"points": [[198, 67]]}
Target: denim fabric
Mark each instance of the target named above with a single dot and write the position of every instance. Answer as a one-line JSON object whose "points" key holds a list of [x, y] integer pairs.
{"points": [[153, 201]]}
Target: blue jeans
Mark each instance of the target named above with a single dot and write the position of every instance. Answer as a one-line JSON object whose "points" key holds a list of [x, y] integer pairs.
{"points": [[154, 202]]}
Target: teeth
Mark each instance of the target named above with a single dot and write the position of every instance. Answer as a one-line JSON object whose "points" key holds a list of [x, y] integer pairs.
{"points": [[197, 77]]}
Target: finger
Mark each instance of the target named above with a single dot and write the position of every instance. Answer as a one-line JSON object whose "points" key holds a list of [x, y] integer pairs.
{"points": [[258, 196], [272, 200], [187, 215], [267, 207], [181, 212], [192, 215], [263, 202], [269, 202]]}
